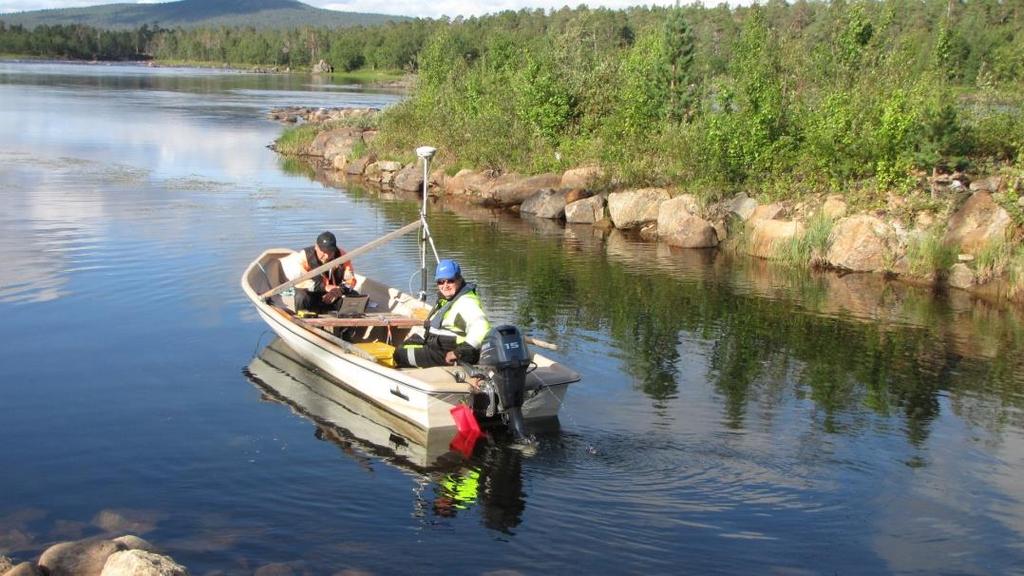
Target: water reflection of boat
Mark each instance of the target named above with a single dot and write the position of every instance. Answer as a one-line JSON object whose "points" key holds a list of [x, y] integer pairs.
{"points": [[342, 415], [489, 480]]}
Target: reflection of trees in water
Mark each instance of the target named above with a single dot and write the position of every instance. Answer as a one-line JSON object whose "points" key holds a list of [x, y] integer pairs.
{"points": [[799, 339]]}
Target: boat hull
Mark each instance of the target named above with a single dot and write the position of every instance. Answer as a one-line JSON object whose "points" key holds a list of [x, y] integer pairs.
{"points": [[421, 396]]}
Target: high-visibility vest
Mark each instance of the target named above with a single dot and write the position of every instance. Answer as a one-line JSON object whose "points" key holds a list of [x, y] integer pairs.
{"points": [[461, 318]]}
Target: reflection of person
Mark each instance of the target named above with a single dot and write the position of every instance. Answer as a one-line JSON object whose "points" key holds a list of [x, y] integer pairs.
{"points": [[456, 491], [455, 328], [322, 293], [493, 484]]}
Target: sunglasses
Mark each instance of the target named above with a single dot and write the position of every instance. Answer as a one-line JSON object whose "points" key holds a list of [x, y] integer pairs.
{"points": [[449, 281]]}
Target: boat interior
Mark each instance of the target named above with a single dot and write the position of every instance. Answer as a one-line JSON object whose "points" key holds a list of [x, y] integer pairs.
{"points": [[388, 317]]}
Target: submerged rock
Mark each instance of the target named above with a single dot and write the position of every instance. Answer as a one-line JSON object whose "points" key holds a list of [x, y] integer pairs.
{"points": [[82, 558]]}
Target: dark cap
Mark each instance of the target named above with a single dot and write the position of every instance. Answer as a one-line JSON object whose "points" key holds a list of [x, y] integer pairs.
{"points": [[327, 242]]}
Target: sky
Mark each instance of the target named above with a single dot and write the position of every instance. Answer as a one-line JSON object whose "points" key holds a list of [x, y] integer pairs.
{"points": [[420, 8]]}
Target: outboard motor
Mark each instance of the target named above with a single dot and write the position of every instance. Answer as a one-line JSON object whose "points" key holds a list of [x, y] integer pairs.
{"points": [[505, 358]]}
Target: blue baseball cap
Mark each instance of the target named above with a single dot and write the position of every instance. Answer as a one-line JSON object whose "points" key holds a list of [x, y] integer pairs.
{"points": [[447, 270]]}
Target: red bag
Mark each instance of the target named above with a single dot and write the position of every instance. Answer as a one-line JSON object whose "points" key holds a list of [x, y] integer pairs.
{"points": [[465, 421], [469, 430]]}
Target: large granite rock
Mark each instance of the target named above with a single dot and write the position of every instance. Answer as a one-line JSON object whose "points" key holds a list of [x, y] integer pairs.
{"points": [[742, 206], [545, 204], [678, 224], [469, 182], [767, 234], [331, 143], [409, 178], [358, 167], [634, 208], [860, 243], [131, 542], [960, 276], [977, 223], [766, 212], [583, 177], [24, 569], [990, 184], [586, 211], [322, 67], [141, 563], [834, 207], [81, 558], [512, 193]]}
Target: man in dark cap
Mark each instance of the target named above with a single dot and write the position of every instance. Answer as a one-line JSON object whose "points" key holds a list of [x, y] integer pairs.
{"points": [[324, 292]]}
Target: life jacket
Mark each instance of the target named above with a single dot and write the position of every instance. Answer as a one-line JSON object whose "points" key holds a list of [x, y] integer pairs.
{"points": [[343, 274], [459, 320]]}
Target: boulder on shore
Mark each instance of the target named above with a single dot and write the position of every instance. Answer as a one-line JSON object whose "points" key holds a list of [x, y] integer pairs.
{"points": [[859, 243], [977, 223], [634, 208], [141, 563], [767, 234], [81, 558], [583, 177], [585, 211], [24, 569], [409, 179], [468, 182], [505, 194], [679, 225], [331, 143], [545, 204]]}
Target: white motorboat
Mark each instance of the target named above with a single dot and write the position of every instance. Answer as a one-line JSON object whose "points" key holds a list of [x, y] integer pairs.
{"points": [[422, 396], [509, 384]]}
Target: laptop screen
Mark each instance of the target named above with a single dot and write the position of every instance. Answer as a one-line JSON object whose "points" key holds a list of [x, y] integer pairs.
{"points": [[353, 304]]}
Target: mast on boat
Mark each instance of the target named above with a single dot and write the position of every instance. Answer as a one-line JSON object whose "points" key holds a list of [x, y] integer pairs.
{"points": [[426, 153]]}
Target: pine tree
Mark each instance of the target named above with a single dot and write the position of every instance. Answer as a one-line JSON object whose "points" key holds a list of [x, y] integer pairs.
{"points": [[679, 46]]}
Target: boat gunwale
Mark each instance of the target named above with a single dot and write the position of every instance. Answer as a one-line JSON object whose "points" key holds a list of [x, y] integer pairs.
{"points": [[308, 334]]}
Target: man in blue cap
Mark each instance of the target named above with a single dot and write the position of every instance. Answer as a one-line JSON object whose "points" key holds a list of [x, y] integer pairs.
{"points": [[455, 328]]}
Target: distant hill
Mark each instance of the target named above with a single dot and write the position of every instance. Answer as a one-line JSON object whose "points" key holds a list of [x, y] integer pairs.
{"points": [[200, 14]]}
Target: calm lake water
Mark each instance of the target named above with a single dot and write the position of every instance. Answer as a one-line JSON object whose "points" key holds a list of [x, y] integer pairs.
{"points": [[733, 417]]}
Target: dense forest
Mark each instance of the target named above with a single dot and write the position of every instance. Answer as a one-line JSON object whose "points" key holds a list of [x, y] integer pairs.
{"points": [[782, 98]]}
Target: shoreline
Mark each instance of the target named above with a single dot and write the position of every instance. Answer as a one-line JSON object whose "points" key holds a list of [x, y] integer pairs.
{"points": [[966, 240]]}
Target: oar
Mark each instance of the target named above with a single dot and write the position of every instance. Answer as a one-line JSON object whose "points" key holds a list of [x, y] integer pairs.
{"points": [[339, 261], [541, 343]]}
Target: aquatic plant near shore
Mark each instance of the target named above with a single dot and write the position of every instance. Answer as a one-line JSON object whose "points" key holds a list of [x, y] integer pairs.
{"points": [[294, 140], [928, 255], [810, 247]]}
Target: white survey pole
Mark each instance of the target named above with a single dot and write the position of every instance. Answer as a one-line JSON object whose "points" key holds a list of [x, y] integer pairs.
{"points": [[426, 153]]}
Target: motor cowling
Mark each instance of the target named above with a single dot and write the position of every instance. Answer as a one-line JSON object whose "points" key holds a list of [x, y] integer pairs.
{"points": [[505, 358]]}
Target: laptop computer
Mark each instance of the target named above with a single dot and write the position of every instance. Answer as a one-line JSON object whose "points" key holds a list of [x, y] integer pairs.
{"points": [[352, 306]]}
